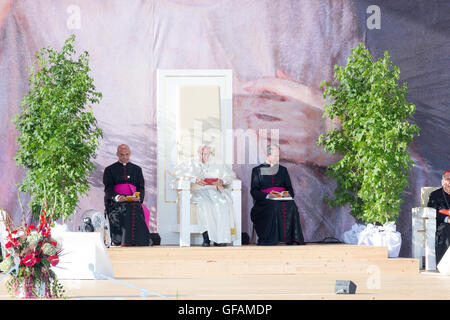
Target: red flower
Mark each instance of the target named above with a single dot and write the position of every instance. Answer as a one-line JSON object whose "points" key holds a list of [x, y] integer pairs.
{"points": [[31, 227], [53, 243], [29, 260], [54, 260], [12, 243]]}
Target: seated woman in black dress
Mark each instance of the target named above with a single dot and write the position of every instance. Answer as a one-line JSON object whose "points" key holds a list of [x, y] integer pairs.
{"points": [[276, 219]]}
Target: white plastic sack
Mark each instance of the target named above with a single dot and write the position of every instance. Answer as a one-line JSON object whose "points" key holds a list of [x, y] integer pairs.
{"points": [[351, 236], [382, 236]]}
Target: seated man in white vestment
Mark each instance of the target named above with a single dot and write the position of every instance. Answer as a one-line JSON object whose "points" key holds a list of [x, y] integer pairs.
{"points": [[214, 203]]}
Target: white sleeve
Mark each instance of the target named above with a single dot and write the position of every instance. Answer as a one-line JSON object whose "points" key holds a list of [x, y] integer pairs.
{"points": [[228, 175], [186, 170]]}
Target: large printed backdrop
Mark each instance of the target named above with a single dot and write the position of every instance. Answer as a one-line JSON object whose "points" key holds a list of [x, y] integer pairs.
{"points": [[279, 52]]}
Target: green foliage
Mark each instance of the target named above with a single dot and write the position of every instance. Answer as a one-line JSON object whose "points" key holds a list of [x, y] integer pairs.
{"points": [[373, 136], [28, 277], [58, 133]]}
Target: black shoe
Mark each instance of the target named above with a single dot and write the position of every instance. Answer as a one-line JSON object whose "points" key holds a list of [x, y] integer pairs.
{"points": [[220, 244], [206, 242]]}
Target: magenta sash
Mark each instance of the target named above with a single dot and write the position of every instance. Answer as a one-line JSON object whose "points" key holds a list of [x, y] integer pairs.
{"points": [[129, 189], [279, 189]]}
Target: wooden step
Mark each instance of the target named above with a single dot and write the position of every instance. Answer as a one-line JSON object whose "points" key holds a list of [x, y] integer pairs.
{"points": [[173, 261], [199, 268], [248, 252]]}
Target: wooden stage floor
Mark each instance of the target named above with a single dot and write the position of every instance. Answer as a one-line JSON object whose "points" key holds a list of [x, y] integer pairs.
{"points": [[259, 273]]}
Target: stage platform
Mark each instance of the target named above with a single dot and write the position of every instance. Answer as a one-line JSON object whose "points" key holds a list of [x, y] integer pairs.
{"points": [[264, 273], [197, 261]]}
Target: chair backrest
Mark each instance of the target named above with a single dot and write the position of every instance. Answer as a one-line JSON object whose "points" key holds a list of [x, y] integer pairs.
{"points": [[425, 195]]}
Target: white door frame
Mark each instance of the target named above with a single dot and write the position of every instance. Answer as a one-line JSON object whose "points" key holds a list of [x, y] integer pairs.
{"points": [[166, 122]]}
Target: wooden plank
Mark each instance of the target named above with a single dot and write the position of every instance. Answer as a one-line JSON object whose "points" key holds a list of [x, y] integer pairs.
{"points": [[199, 268], [262, 287], [247, 252], [197, 261]]}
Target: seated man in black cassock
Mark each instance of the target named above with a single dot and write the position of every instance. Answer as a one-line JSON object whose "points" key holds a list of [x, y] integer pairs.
{"points": [[440, 200], [274, 213], [127, 219]]}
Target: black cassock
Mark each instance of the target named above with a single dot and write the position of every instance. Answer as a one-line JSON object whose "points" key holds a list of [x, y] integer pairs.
{"points": [[439, 199], [126, 219], [275, 221]]}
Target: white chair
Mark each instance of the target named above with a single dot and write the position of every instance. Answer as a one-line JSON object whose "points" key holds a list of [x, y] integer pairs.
{"points": [[187, 212], [424, 231], [194, 106]]}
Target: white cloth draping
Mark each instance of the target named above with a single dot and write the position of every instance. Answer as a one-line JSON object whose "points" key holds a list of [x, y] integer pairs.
{"points": [[351, 236], [214, 205], [384, 236]]}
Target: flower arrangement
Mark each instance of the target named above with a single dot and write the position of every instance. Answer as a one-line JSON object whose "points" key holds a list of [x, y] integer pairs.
{"points": [[35, 252]]}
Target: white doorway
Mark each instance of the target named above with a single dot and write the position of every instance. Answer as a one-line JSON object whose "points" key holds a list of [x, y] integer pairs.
{"points": [[187, 99]]}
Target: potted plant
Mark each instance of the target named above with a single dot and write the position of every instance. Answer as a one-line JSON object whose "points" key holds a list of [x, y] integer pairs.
{"points": [[58, 137], [372, 135], [58, 133]]}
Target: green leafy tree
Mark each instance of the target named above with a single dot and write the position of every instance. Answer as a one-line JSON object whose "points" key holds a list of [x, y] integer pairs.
{"points": [[373, 135], [58, 133]]}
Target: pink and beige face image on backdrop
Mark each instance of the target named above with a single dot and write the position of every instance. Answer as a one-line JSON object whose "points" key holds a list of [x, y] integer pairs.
{"points": [[279, 52]]}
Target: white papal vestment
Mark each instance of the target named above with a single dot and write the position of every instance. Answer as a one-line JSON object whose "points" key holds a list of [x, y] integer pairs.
{"points": [[214, 205]]}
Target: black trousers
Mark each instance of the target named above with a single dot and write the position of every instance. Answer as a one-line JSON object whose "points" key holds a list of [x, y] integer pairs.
{"points": [[127, 225], [276, 221]]}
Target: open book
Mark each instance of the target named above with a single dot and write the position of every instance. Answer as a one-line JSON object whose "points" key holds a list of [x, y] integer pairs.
{"points": [[132, 197], [281, 195]]}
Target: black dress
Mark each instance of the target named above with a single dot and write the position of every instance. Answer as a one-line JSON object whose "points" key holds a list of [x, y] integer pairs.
{"points": [[275, 221], [126, 219], [439, 199]]}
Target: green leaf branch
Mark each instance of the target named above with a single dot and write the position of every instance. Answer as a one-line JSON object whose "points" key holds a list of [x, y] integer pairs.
{"points": [[373, 136], [58, 133]]}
